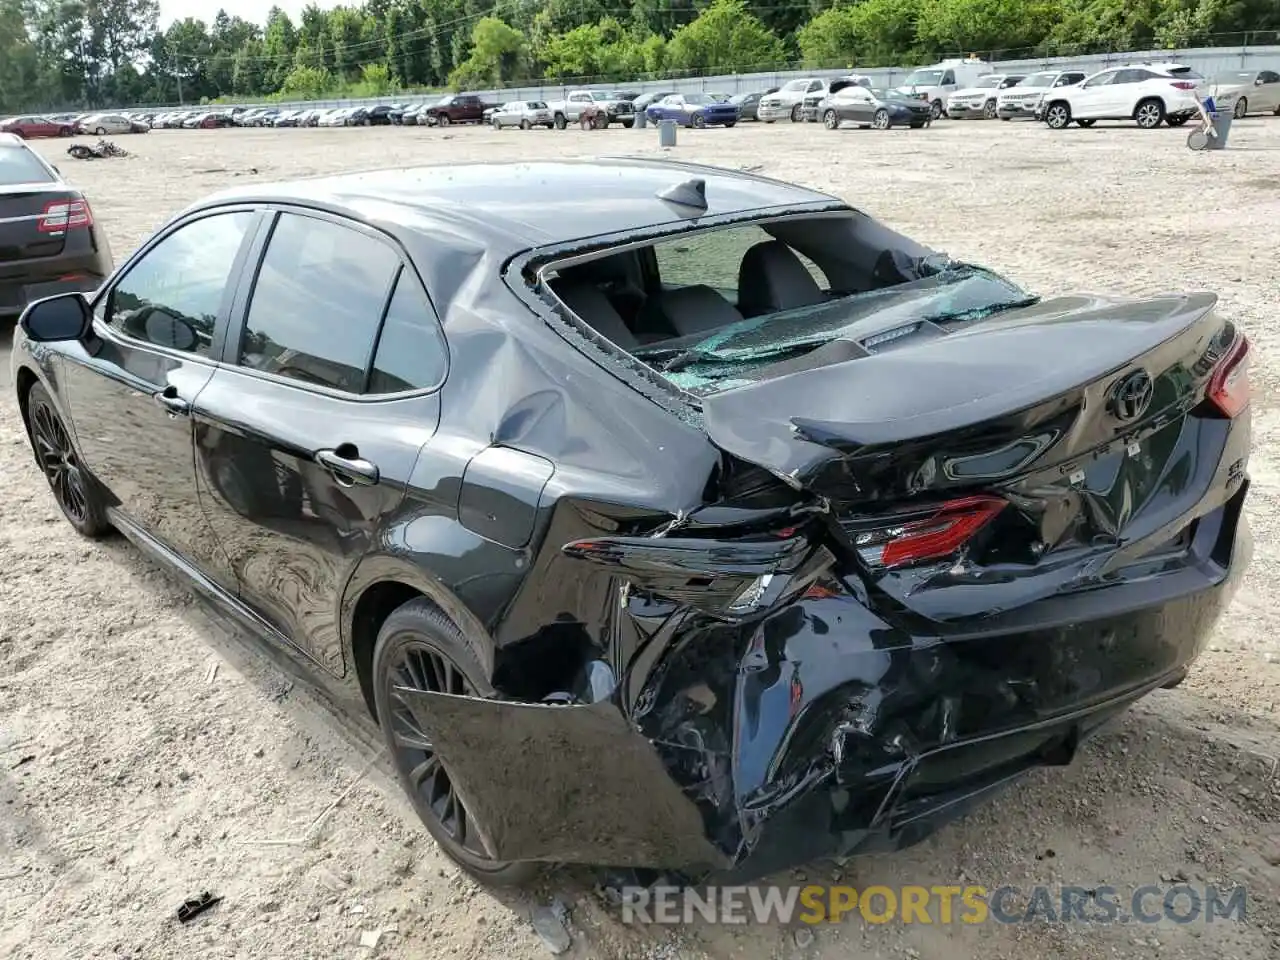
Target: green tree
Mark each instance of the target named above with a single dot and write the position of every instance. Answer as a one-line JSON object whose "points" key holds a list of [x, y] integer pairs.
{"points": [[307, 82], [971, 25], [725, 36], [497, 53]]}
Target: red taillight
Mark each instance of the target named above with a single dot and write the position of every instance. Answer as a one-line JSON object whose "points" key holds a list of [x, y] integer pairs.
{"points": [[1183, 85], [59, 216], [1229, 385], [934, 537]]}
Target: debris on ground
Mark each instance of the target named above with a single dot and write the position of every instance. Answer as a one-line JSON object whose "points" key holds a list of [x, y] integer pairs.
{"points": [[551, 930], [192, 908]]}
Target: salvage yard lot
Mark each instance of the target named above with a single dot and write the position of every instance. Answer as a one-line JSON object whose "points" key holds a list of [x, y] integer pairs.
{"points": [[133, 776]]}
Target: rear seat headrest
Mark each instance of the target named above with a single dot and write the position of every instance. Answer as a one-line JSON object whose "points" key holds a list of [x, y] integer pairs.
{"points": [[695, 309]]}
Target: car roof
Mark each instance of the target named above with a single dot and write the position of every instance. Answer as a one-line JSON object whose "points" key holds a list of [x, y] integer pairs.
{"points": [[518, 205]]}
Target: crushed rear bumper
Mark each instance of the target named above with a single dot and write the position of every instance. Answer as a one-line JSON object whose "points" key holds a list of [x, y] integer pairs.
{"points": [[822, 729]]}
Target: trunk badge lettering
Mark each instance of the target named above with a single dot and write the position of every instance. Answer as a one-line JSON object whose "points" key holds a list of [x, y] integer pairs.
{"points": [[1131, 396]]}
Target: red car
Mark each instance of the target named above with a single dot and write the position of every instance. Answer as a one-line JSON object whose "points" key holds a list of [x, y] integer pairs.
{"points": [[31, 127]]}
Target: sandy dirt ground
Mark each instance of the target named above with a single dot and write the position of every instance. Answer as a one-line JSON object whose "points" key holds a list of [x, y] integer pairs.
{"points": [[129, 781]]}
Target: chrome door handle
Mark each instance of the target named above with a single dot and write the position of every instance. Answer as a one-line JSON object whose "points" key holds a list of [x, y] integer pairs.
{"points": [[353, 469], [174, 404]]}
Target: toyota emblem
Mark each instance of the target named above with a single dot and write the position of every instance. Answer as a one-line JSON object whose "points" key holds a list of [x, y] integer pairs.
{"points": [[1131, 396]]}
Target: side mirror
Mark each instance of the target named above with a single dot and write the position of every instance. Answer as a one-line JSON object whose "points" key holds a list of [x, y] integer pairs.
{"points": [[64, 317], [166, 330]]}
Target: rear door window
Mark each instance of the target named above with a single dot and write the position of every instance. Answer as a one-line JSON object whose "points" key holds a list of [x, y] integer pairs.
{"points": [[20, 165], [317, 302], [411, 351]]}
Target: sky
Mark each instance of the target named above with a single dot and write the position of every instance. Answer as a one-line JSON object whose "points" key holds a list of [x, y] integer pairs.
{"points": [[252, 10]]}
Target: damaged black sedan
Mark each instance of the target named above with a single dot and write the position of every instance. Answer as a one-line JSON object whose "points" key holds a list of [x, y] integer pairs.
{"points": [[660, 515]]}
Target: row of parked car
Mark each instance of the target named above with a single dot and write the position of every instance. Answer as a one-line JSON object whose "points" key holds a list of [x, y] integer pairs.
{"points": [[1147, 93], [31, 127]]}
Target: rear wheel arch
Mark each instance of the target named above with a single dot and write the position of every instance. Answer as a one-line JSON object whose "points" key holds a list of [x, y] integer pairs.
{"points": [[1146, 101], [379, 587]]}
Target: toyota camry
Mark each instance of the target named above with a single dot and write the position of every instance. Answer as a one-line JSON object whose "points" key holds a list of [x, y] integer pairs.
{"points": [[717, 527]]}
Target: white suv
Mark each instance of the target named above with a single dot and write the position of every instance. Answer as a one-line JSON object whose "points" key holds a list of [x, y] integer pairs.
{"points": [[1147, 93]]}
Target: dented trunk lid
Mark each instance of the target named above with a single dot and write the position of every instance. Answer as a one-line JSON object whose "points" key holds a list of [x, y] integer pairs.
{"points": [[984, 403], [1034, 407]]}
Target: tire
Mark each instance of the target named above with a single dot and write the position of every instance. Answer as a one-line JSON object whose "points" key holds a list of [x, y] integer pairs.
{"points": [[72, 486], [728, 124], [602, 121], [64, 131], [796, 114], [989, 110], [768, 121], [560, 122], [1241, 108], [495, 124], [1197, 140], [1086, 123], [936, 111], [880, 120], [1177, 121], [526, 125], [698, 121], [443, 120], [1149, 114], [99, 131], [418, 633], [1057, 116], [1006, 119], [628, 124]]}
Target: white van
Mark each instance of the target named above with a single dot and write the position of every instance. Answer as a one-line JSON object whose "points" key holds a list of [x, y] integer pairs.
{"points": [[937, 82]]}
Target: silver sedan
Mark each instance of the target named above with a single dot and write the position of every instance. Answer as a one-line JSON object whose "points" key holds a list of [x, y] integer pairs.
{"points": [[1254, 91], [524, 114]]}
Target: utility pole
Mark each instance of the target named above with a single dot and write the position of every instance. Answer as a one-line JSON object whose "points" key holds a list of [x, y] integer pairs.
{"points": [[177, 73]]}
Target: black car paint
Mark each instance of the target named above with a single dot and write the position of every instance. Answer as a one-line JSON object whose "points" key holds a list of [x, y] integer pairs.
{"points": [[848, 718]]}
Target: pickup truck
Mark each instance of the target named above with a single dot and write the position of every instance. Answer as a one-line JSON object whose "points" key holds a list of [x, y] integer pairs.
{"points": [[456, 108], [592, 108]]}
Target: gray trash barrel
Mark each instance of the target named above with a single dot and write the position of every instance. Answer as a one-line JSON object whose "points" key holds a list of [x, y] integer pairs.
{"points": [[666, 133], [1221, 126], [641, 119]]}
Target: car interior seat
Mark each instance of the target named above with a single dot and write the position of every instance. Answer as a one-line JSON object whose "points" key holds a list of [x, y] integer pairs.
{"points": [[689, 310], [594, 309], [772, 278]]}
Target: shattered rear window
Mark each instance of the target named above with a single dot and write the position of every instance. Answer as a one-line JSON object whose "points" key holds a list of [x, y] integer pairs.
{"points": [[708, 310], [739, 354]]}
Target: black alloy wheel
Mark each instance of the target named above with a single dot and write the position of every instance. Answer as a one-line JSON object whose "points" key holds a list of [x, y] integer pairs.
{"points": [[60, 463], [420, 650]]}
